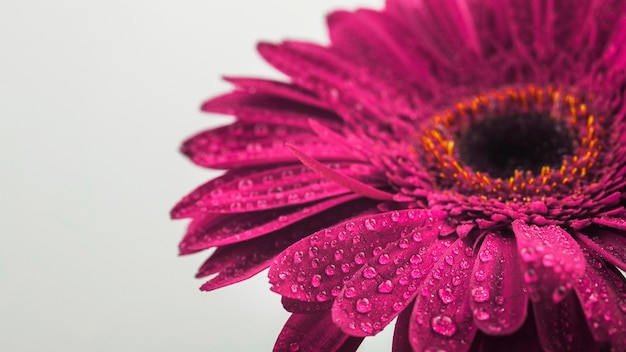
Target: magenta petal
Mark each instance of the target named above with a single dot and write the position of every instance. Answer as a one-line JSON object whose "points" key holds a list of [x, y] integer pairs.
{"points": [[276, 188], [341, 179], [552, 261], [616, 223], [266, 108], [388, 282], [314, 333], [442, 317], [609, 245], [562, 326], [290, 92], [500, 304], [401, 342], [188, 207], [315, 268], [251, 144], [602, 293], [302, 307], [226, 229]]}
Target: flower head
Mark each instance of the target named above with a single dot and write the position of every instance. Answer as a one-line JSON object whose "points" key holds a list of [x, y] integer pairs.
{"points": [[459, 165]]}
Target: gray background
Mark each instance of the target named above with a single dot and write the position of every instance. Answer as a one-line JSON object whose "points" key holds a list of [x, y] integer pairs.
{"points": [[95, 98]]}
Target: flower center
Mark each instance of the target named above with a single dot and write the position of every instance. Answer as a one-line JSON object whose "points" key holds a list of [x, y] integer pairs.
{"points": [[499, 145], [514, 144]]}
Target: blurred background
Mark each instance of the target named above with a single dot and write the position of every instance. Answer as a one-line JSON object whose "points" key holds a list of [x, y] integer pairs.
{"points": [[95, 99]]}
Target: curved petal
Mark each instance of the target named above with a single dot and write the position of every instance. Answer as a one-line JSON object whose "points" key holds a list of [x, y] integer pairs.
{"points": [[275, 188], [442, 317], [319, 264], [239, 261], [401, 342], [302, 307], [562, 326], [497, 276], [256, 86], [388, 282], [213, 231], [602, 293], [314, 333], [552, 261], [608, 244], [251, 144]]}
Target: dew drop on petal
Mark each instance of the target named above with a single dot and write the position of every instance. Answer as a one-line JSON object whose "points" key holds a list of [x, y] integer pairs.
{"points": [[403, 243], [339, 254], [485, 256], [446, 296], [384, 259], [528, 254], [481, 314], [443, 325], [330, 270], [370, 224], [479, 275], [559, 293], [530, 276], [359, 258], [369, 272], [395, 215], [363, 305], [350, 292], [548, 260], [294, 347], [316, 280], [297, 257], [385, 286], [480, 294]]}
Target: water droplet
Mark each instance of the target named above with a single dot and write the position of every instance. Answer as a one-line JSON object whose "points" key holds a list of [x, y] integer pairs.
{"points": [[301, 277], [398, 306], [395, 215], [464, 264], [366, 326], [294, 347], [417, 237], [349, 226], [456, 281], [322, 296], [443, 325], [369, 272], [359, 258], [485, 256], [316, 280], [339, 254], [330, 270], [479, 275], [480, 294], [449, 259], [622, 305], [363, 305], [446, 296], [481, 314], [403, 243], [283, 218], [370, 224], [297, 257], [350, 292], [559, 293], [416, 259], [528, 254], [530, 276], [384, 259], [548, 260], [245, 184], [385, 286], [235, 206]]}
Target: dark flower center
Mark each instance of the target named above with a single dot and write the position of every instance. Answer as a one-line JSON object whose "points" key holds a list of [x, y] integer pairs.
{"points": [[524, 141], [513, 144]]}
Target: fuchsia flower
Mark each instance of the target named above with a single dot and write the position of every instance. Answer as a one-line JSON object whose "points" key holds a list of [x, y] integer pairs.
{"points": [[459, 165]]}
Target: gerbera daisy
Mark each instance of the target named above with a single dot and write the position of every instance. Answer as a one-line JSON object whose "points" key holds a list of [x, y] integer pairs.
{"points": [[456, 165]]}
